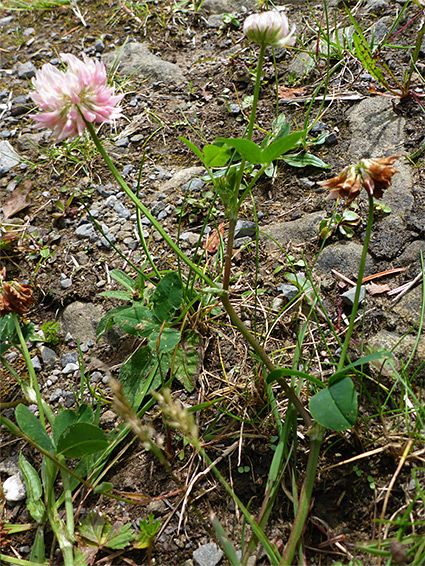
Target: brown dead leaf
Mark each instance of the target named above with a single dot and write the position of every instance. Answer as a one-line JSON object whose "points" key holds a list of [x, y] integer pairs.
{"points": [[18, 200], [286, 92], [212, 243], [375, 289]]}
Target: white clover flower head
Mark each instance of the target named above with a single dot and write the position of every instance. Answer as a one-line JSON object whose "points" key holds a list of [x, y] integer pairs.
{"points": [[269, 28], [67, 96]]}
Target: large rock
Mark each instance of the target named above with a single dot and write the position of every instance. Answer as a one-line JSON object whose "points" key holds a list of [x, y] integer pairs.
{"points": [[81, 319], [295, 231], [377, 131], [401, 347], [135, 59], [344, 257]]}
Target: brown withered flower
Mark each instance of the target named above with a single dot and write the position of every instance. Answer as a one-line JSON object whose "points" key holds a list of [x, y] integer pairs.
{"points": [[14, 296], [374, 175]]}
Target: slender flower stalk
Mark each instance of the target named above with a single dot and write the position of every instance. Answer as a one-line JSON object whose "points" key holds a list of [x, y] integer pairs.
{"points": [[375, 176]]}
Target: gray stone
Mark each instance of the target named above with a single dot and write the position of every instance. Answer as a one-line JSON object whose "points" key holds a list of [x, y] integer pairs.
{"points": [[389, 236], [207, 555], [49, 357], [26, 70], [127, 169], [122, 210], [81, 319], [376, 129], [289, 292], [409, 306], [14, 489], [66, 283], [9, 465], [99, 46], [401, 347], [70, 358], [229, 6], [240, 242], [122, 142], [84, 231], [412, 253], [70, 368], [301, 64], [69, 399], [181, 177], [245, 228], [36, 364], [195, 184], [8, 158], [348, 296], [135, 59], [295, 231], [344, 257], [56, 395], [158, 508]]}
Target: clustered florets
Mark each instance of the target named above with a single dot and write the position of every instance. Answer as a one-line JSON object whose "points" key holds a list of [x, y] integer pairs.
{"points": [[70, 97], [14, 296], [269, 28], [373, 174]]}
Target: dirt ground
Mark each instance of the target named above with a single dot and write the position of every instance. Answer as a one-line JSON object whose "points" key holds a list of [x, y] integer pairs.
{"points": [[218, 65]]}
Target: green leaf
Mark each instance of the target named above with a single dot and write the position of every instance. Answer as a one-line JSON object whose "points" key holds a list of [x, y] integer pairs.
{"points": [[99, 532], [193, 147], [364, 360], [148, 529], [108, 321], [246, 148], [124, 279], [121, 295], [287, 372], [336, 406], [80, 439], [64, 419], [280, 146], [134, 319], [187, 360], [34, 502], [135, 371], [304, 160], [216, 156], [32, 427], [168, 339], [167, 297], [8, 335]]}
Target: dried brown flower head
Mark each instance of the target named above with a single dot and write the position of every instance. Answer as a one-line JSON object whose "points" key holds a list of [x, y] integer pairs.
{"points": [[373, 174], [14, 296]]}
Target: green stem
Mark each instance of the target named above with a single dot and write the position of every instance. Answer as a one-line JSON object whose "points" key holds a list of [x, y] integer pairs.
{"points": [[145, 210], [256, 91], [69, 511], [30, 367], [358, 286], [229, 251], [316, 436]]}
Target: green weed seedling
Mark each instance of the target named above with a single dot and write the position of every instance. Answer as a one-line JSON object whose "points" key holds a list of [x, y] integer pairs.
{"points": [[343, 223], [74, 435], [152, 317]]}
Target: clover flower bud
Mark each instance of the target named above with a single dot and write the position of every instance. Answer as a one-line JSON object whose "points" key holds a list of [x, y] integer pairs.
{"points": [[70, 97], [269, 28], [14, 296], [374, 175]]}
